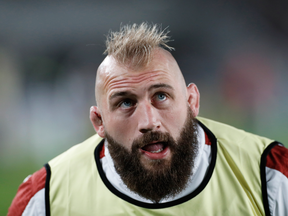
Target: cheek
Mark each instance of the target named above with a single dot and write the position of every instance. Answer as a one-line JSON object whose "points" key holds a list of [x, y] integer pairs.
{"points": [[121, 130], [174, 120]]}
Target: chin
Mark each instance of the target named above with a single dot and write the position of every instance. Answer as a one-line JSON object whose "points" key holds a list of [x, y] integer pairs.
{"points": [[155, 164]]}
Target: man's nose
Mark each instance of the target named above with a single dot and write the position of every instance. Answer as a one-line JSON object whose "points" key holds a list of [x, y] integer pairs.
{"points": [[148, 117]]}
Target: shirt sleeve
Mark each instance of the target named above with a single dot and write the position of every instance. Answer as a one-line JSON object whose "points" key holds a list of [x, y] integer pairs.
{"points": [[277, 180], [30, 197]]}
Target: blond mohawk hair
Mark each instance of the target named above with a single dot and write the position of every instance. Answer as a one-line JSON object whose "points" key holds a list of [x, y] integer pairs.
{"points": [[133, 44]]}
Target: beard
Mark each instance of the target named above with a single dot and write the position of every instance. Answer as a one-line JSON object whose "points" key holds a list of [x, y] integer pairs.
{"points": [[162, 178]]}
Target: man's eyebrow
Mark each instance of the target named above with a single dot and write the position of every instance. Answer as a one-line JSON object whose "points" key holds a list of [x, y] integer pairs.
{"points": [[128, 93], [160, 85], [120, 94]]}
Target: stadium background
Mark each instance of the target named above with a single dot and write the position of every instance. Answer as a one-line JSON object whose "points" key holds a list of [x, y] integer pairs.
{"points": [[235, 51]]}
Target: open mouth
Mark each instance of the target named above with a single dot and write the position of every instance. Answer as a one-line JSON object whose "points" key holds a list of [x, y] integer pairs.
{"points": [[154, 147], [156, 150]]}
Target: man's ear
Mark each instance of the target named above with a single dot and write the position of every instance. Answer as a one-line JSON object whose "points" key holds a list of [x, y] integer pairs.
{"points": [[193, 98], [96, 120]]}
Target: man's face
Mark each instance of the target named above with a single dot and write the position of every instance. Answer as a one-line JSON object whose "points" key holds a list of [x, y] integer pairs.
{"points": [[148, 107], [132, 103]]}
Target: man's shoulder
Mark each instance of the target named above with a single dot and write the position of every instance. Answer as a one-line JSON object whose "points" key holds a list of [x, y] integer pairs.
{"points": [[78, 151], [277, 159], [220, 126], [27, 193], [224, 132]]}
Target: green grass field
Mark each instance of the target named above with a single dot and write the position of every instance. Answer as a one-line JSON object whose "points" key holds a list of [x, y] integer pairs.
{"points": [[10, 179]]}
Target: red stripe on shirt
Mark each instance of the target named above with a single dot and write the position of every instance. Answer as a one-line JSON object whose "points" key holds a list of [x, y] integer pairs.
{"points": [[278, 159], [102, 152], [26, 191], [207, 140]]}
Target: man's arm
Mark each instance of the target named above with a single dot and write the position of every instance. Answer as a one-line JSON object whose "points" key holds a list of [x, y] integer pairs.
{"points": [[30, 197], [277, 180]]}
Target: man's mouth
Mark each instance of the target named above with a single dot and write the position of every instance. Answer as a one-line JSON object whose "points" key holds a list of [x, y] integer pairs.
{"points": [[155, 150]]}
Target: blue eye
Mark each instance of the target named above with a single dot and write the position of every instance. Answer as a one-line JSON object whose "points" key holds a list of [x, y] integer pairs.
{"points": [[161, 97], [126, 104]]}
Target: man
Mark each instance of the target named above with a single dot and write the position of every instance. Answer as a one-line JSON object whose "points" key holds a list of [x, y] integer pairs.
{"points": [[152, 155]]}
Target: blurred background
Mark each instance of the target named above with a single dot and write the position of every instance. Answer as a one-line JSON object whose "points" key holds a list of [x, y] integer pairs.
{"points": [[235, 51]]}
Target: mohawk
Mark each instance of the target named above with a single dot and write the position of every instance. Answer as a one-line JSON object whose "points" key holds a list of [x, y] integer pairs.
{"points": [[133, 44]]}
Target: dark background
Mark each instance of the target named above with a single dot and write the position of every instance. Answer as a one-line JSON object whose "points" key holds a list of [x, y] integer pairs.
{"points": [[235, 52]]}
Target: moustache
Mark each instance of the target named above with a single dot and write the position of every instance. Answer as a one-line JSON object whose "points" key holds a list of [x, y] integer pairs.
{"points": [[153, 138]]}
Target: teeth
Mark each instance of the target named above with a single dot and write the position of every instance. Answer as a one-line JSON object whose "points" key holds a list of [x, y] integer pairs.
{"points": [[159, 150]]}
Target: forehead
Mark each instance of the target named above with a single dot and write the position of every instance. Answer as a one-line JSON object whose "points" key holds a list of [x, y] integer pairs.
{"points": [[113, 76]]}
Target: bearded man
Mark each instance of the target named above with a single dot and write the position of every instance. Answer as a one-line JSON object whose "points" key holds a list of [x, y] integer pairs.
{"points": [[152, 154]]}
